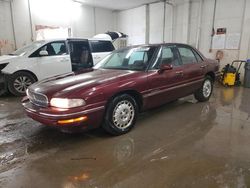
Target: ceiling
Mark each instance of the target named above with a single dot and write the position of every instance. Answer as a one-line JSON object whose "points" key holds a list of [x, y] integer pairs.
{"points": [[116, 4]]}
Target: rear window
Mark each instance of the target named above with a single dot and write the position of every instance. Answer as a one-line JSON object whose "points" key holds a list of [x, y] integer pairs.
{"points": [[101, 46]]}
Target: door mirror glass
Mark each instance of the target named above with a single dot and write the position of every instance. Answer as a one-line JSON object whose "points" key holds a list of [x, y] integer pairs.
{"points": [[165, 67], [43, 53]]}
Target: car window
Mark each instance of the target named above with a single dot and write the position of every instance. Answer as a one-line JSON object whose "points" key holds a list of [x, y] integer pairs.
{"points": [[168, 56], [116, 59], [198, 57], [59, 48], [53, 48], [187, 55], [28, 48], [101, 46], [136, 58]]}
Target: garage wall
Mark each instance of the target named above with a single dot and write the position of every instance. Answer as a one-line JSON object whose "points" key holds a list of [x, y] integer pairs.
{"points": [[133, 23], [181, 21], [21, 19], [84, 21], [6, 34], [190, 21], [156, 22], [104, 20], [229, 14]]}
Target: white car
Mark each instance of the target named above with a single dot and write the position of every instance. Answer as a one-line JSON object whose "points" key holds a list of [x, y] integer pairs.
{"points": [[44, 59]]}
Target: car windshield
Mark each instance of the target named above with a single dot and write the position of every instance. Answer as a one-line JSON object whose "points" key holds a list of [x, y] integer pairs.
{"points": [[28, 48], [136, 58]]}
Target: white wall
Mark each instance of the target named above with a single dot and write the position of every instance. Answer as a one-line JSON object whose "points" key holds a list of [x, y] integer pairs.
{"points": [[85, 21], [133, 23], [104, 20], [156, 19], [169, 20], [84, 26], [6, 32], [182, 20], [21, 22]]}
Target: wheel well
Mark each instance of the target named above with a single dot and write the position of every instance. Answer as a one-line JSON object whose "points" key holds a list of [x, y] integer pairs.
{"points": [[27, 72], [212, 75], [136, 95]]}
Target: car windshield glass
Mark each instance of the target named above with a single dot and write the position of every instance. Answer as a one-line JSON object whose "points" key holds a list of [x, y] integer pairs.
{"points": [[136, 58], [28, 48]]}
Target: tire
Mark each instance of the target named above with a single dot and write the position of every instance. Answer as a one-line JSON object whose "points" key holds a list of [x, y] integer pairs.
{"points": [[19, 82], [121, 115], [203, 94]]}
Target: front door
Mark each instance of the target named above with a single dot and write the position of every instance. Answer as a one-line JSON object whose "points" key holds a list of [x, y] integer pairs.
{"points": [[56, 62], [165, 85]]}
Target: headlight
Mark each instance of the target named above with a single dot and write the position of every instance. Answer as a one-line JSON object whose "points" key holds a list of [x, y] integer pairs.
{"points": [[2, 66], [66, 103]]}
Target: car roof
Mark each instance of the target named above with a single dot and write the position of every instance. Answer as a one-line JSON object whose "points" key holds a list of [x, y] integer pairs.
{"points": [[73, 38], [161, 44], [157, 45]]}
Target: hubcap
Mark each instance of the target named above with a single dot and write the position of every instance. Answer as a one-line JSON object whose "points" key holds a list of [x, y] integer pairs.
{"points": [[22, 83], [123, 114], [207, 88]]}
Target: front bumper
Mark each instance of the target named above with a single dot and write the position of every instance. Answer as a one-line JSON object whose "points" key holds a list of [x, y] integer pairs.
{"points": [[3, 83], [51, 117]]}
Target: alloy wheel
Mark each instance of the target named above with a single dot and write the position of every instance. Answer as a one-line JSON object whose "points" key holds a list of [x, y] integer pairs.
{"points": [[21, 83]]}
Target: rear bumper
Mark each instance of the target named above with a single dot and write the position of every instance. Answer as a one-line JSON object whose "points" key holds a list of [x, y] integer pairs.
{"points": [[94, 117], [217, 75]]}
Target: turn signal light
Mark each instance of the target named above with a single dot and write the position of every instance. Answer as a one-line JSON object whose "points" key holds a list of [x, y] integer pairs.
{"points": [[75, 120]]}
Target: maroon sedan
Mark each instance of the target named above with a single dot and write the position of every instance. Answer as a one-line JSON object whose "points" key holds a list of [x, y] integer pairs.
{"points": [[126, 82]]}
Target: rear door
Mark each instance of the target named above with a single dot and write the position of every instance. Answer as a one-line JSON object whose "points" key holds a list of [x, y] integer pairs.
{"points": [[193, 68], [165, 86], [56, 62], [100, 49]]}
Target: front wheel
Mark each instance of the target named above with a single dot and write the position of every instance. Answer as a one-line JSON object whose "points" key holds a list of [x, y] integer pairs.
{"points": [[19, 82], [204, 93], [121, 115]]}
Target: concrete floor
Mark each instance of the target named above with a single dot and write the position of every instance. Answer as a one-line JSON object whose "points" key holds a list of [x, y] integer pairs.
{"points": [[182, 144]]}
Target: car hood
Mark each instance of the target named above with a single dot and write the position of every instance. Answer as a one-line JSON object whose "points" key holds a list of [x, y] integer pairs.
{"points": [[70, 83], [7, 58]]}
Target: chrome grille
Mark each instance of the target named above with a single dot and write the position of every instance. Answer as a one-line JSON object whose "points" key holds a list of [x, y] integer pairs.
{"points": [[37, 98]]}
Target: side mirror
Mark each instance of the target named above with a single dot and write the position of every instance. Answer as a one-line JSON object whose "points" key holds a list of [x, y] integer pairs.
{"points": [[165, 67], [43, 53]]}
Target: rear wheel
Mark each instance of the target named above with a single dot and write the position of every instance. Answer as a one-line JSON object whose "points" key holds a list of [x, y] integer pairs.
{"points": [[19, 82], [204, 93], [121, 115]]}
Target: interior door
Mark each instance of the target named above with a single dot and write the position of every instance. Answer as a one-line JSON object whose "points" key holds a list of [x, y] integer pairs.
{"points": [[56, 62], [165, 85], [80, 54]]}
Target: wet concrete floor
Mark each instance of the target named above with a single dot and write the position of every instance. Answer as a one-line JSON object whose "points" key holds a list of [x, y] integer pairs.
{"points": [[181, 144]]}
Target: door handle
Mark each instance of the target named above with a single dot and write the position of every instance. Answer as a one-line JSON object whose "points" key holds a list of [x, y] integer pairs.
{"points": [[179, 73], [64, 60], [203, 66]]}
